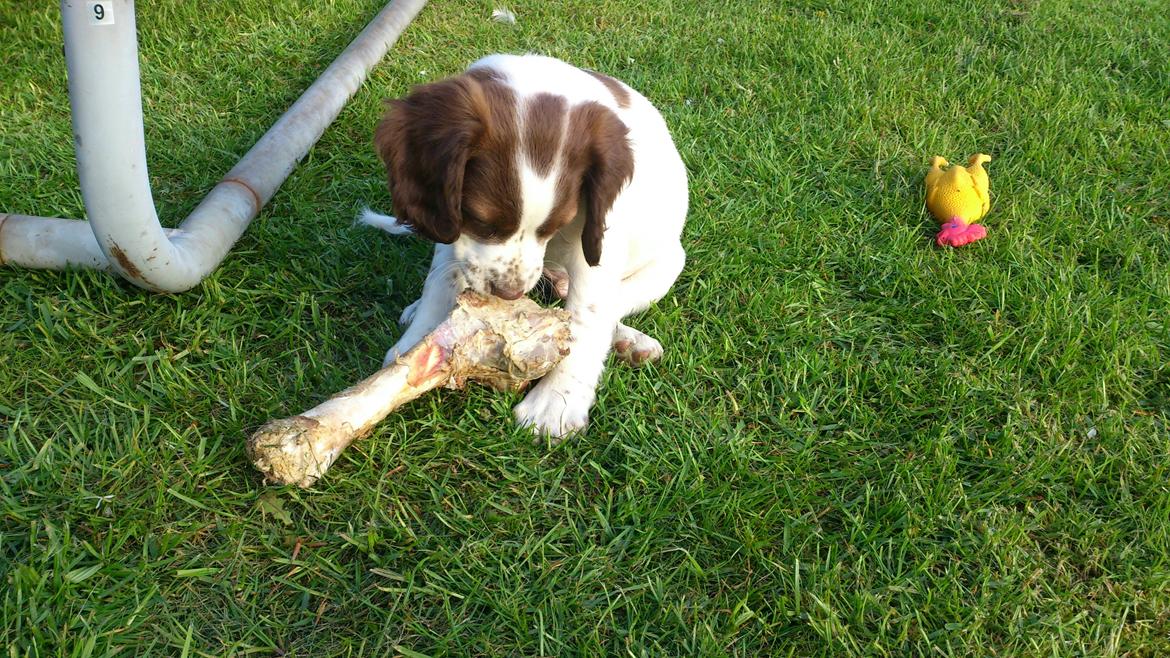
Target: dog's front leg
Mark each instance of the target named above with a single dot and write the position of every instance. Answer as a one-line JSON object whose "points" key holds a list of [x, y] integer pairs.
{"points": [[444, 283], [560, 403]]}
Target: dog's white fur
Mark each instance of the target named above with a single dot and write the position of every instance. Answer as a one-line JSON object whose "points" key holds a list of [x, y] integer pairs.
{"points": [[642, 253]]}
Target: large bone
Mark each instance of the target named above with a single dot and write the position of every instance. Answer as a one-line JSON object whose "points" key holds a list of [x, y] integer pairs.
{"points": [[502, 344]]}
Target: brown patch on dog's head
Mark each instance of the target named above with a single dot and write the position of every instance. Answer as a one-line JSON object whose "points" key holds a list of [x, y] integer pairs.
{"points": [[544, 123], [597, 162], [619, 91], [449, 149]]}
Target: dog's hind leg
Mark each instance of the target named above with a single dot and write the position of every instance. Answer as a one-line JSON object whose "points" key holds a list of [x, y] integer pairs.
{"points": [[635, 347]]}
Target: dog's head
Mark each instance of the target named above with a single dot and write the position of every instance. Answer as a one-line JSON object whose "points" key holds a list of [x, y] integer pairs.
{"points": [[469, 165]]}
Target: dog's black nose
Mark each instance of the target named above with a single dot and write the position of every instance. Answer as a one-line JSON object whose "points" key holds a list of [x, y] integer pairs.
{"points": [[504, 292]]}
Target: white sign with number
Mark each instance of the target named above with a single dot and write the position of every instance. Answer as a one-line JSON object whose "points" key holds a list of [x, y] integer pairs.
{"points": [[100, 13]]}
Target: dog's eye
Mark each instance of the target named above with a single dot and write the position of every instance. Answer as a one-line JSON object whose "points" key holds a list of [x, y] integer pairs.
{"points": [[477, 226]]}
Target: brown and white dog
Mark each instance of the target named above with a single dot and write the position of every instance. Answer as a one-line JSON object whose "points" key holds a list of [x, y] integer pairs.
{"points": [[524, 164]]}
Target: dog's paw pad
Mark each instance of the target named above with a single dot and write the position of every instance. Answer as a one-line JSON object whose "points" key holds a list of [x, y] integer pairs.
{"points": [[558, 281], [635, 347], [638, 357]]}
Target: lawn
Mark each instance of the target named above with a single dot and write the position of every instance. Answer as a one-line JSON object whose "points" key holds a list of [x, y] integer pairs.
{"points": [[857, 444]]}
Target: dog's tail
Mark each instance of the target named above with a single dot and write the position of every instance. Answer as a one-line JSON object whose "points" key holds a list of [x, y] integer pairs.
{"points": [[385, 222]]}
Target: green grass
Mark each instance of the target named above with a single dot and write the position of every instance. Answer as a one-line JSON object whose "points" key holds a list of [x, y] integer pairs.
{"points": [[857, 444]]}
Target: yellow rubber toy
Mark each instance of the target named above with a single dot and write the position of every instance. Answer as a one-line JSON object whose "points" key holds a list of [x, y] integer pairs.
{"points": [[958, 197]]}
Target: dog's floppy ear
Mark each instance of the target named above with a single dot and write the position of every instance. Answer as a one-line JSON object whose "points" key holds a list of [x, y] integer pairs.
{"points": [[599, 143], [425, 140]]}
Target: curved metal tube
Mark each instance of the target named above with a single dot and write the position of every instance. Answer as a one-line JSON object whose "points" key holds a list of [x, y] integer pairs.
{"points": [[101, 55]]}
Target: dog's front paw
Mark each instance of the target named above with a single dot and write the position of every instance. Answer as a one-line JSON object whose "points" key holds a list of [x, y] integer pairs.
{"points": [[408, 313], [554, 411], [392, 355], [404, 345]]}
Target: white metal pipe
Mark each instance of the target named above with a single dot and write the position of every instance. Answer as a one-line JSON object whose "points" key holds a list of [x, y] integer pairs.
{"points": [[101, 54], [49, 243]]}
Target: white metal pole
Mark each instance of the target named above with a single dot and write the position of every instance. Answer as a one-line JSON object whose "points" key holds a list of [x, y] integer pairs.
{"points": [[48, 243], [101, 54]]}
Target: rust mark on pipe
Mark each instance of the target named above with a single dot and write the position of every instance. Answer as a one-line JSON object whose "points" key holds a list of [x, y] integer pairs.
{"points": [[125, 263], [256, 203], [3, 218]]}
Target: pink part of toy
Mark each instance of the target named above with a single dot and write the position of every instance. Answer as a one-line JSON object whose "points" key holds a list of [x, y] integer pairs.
{"points": [[957, 233]]}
